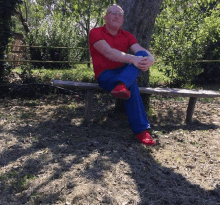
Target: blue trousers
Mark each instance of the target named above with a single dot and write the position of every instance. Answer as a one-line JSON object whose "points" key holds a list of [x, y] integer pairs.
{"points": [[134, 106]]}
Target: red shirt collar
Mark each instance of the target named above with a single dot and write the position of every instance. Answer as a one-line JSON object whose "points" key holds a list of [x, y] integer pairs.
{"points": [[106, 31]]}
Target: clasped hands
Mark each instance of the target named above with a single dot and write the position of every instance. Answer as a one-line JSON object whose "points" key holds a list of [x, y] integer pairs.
{"points": [[143, 63]]}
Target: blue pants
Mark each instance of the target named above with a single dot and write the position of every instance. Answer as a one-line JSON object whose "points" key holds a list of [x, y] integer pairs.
{"points": [[134, 106]]}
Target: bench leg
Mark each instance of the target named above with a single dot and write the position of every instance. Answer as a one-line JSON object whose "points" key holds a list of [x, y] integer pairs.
{"points": [[88, 106], [190, 109]]}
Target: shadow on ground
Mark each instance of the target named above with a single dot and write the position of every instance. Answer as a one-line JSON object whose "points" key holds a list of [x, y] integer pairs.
{"points": [[59, 155]]}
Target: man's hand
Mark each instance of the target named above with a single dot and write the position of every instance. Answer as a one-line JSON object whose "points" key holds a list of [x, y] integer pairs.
{"points": [[146, 62], [143, 63]]}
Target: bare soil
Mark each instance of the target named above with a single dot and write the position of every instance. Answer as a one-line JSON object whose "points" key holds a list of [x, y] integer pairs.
{"points": [[48, 156]]}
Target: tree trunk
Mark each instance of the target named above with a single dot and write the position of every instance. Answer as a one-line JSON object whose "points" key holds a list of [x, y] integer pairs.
{"points": [[139, 19], [6, 11]]}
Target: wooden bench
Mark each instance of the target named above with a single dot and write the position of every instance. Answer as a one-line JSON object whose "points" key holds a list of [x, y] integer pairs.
{"points": [[175, 92]]}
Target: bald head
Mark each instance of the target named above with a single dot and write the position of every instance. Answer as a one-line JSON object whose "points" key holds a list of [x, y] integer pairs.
{"points": [[114, 7]]}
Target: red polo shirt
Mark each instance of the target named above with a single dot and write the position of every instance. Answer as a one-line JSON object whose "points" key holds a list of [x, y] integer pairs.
{"points": [[122, 41]]}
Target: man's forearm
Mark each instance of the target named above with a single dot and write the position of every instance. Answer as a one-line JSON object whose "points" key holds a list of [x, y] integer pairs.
{"points": [[119, 56]]}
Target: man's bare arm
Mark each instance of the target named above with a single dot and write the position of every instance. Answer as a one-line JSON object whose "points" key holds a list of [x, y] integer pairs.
{"points": [[118, 56], [136, 47]]}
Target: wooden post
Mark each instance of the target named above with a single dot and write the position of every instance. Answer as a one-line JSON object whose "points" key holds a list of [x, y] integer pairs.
{"points": [[88, 106], [146, 101], [190, 109]]}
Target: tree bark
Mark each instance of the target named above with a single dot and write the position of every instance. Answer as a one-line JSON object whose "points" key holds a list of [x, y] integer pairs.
{"points": [[140, 16]]}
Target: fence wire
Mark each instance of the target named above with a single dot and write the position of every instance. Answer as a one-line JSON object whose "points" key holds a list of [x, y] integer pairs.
{"points": [[78, 59], [46, 57]]}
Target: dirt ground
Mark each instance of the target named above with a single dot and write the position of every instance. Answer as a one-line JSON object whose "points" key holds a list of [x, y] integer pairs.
{"points": [[48, 156]]}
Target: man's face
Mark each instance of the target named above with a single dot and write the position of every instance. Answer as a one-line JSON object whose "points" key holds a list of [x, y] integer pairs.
{"points": [[114, 17]]}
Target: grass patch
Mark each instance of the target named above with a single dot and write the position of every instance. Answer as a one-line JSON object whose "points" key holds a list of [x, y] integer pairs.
{"points": [[157, 76], [20, 184], [3, 177], [206, 100], [80, 73]]}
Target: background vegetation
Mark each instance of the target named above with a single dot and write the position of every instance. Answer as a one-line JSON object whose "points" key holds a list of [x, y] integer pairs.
{"points": [[186, 39]]}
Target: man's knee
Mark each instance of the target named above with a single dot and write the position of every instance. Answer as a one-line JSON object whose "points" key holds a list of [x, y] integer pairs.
{"points": [[141, 53]]}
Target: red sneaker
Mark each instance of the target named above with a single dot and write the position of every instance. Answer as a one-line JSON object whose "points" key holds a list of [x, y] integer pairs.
{"points": [[145, 138], [121, 92]]}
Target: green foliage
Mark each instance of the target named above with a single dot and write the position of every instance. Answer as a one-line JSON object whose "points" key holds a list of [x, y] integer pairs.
{"points": [[64, 23], [184, 33], [56, 33], [48, 28]]}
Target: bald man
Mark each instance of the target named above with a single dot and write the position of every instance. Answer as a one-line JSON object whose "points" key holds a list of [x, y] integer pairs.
{"points": [[116, 71]]}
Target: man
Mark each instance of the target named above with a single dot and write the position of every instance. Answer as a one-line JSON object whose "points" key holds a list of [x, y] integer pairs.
{"points": [[116, 71]]}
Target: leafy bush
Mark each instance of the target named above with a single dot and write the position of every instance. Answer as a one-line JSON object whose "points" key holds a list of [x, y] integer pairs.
{"points": [[187, 32], [55, 33]]}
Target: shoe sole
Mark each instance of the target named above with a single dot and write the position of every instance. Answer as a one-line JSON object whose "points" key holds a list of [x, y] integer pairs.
{"points": [[146, 141], [121, 95], [149, 144]]}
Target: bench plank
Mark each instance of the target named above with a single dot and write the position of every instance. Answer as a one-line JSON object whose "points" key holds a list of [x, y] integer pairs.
{"points": [[73, 84], [175, 92], [163, 91], [180, 92]]}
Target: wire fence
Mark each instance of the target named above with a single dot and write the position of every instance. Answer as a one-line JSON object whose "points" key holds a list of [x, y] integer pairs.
{"points": [[18, 54], [62, 58], [48, 57]]}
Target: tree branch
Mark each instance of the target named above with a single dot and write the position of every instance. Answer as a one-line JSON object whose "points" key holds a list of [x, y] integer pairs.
{"points": [[21, 18]]}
